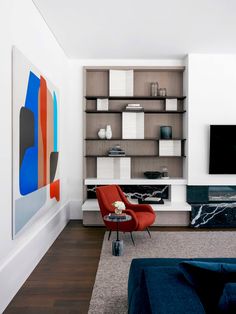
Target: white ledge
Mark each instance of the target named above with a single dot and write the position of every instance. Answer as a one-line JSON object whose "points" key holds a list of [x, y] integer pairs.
{"points": [[91, 205], [136, 181]]}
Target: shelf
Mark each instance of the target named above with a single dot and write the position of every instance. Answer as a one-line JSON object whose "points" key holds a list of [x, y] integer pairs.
{"points": [[136, 181], [91, 205], [135, 139], [136, 156], [135, 97], [145, 111]]}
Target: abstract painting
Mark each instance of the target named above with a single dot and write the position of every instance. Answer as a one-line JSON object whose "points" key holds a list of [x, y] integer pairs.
{"points": [[36, 183]]}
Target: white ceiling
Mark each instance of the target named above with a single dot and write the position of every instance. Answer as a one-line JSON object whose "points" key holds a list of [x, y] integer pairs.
{"points": [[150, 29]]}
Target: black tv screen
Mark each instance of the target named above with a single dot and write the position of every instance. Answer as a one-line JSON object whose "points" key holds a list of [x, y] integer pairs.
{"points": [[222, 149]]}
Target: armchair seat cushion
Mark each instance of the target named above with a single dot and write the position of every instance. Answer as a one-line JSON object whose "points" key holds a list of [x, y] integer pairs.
{"points": [[145, 219]]}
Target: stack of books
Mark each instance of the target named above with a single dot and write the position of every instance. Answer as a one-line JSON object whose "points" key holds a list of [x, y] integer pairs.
{"points": [[134, 107], [116, 216], [116, 151]]}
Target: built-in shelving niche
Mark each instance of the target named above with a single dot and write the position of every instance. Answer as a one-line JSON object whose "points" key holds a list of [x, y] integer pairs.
{"points": [[144, 152]]}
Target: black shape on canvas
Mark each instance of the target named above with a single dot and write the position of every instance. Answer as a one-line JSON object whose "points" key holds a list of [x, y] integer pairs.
{"points": [[26, 131], [53, 165]]}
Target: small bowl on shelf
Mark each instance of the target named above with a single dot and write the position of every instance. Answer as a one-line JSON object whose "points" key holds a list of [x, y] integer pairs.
{"points": [[153, 174]]}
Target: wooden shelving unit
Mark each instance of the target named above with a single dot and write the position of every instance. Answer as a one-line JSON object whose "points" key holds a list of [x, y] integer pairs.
{"points": [[143, 152]]}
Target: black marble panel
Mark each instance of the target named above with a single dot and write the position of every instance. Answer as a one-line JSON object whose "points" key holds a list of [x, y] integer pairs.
{"points": [[213, 215], [139, 192]]}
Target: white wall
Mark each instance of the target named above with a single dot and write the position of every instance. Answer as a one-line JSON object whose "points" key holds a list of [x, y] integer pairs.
{"points": [[211, 100], [22, 25]]}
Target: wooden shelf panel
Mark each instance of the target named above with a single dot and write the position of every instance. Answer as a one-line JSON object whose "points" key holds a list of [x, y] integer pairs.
{"points": [[145, 111], [135, 97]]}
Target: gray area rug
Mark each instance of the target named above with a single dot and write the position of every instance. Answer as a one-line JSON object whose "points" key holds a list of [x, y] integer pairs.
{"points": [[110, 289]]}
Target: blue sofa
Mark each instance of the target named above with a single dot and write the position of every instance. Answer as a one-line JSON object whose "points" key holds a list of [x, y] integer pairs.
{"points": [[158, 286]]}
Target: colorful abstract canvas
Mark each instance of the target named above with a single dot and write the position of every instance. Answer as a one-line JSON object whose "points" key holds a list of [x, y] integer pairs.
{"points": [[36, 183]]}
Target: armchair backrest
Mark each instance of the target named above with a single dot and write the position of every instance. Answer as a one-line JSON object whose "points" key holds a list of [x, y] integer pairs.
{"points": [[107, 195]]}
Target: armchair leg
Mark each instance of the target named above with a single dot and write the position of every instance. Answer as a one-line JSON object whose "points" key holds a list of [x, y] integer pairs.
{"points": [[131, 235], [109, 234], [148, 232]]}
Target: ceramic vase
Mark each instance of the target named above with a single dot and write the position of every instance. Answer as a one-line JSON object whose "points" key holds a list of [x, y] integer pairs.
{"points": [[108, 132], [102, 134]]}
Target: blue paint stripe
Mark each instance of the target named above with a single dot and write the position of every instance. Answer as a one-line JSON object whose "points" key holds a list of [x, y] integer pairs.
{"points": [[29, 168]]}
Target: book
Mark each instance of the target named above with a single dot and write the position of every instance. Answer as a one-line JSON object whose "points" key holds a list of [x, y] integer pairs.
{"points": [[116, 216]]}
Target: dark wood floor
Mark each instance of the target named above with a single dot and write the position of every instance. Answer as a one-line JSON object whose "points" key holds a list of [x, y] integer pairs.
{"points": [[63, 281]]}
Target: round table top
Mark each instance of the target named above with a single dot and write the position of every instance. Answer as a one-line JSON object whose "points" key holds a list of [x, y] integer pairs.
{"points": [[119, 218]]}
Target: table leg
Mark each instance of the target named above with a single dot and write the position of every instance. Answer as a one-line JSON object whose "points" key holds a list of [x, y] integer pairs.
{"points": [[117, 245]]}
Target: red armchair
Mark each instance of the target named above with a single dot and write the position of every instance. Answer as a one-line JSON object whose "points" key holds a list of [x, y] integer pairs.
{"points": [[142, 215]]}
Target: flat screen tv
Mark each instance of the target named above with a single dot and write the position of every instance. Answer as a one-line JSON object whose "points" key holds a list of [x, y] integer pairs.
{"points": [[222, 149]]}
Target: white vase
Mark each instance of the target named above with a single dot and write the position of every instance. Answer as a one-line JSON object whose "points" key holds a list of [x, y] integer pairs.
{"points": [[102, 134], [108, 132]]}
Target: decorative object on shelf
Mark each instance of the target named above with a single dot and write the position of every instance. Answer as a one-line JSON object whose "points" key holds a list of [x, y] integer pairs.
{"points": [[116, 151], [119, 206], [134, 107], [169, 147], [108, 132], [113, 167], [165, 174], [171, 104], [133, 125], [154, 89], [166, 132], [151, 200], [162, 92], [121, 83], [102, 104], [152, 174], [102, 134]]}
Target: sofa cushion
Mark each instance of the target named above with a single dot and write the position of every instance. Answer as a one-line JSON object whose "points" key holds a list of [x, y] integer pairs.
{"points": [[208, 279], [135, 293], [165, 290], [227, 303]]}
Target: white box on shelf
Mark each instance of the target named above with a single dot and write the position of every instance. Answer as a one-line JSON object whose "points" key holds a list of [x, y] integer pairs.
{"points": [[169, 148], [121, 83], [102, 104], [133, 125], [171, 104], [113, 167]]}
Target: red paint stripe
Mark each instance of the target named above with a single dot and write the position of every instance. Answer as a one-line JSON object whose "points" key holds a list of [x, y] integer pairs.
{"points": [[43, 122], [55, 190]]}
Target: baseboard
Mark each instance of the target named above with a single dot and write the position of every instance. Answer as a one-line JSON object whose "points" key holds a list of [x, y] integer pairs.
{"points": [[21, 263], [76, 209]]}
